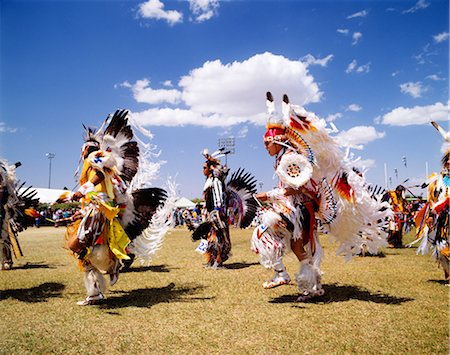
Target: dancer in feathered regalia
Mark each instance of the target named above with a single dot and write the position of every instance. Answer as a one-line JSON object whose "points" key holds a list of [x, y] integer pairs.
{"points": [[396, 199], [316, 181], [15, 205], [111, 216], [221, 196], [432, 221]]}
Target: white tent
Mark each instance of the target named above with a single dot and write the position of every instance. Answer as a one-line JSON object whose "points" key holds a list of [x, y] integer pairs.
{"points": [[46, 195], [183, 202]]}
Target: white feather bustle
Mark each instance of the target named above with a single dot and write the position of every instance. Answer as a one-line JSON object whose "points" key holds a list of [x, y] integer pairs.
{"points": [[326, 150], [151, 239], [360, 222], [149, 165]]}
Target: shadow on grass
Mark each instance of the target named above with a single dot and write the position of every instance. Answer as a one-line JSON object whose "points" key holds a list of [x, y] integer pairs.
{"points": [[370, 255], [153, 268], [36, 294], [236, 266], [441, 282], [38, 265], [342, 293], [148, 297]]}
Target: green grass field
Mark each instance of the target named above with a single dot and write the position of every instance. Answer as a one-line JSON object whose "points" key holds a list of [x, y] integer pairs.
{"points": [[396, 304]]}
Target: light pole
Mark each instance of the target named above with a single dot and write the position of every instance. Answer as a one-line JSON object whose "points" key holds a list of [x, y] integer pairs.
{"points": [[228, 144], [50, 156], [405, 164]]}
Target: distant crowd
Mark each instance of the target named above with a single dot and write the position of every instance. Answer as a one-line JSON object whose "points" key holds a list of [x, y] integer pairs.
{"points": [[55, 218], [198, 214]]}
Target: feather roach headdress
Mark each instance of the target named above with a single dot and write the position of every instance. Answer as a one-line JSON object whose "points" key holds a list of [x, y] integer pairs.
{"points": [[116, 139], [213, 162], [286, 129]]}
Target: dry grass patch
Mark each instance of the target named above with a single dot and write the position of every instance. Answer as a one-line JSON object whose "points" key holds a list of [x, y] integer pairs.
{"points": [[392, 304]]}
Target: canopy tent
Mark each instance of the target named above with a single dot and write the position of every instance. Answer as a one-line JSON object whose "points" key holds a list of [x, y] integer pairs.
{"points": [[46, 195], [183, 202]]}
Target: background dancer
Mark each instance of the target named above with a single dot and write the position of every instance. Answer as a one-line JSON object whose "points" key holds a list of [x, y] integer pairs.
{"points": [[15, 206], [396, 199], [221, 196]]}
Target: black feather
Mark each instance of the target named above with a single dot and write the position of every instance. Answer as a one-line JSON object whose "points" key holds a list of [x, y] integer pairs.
{"points": [[243, 182], [130, 153], [26, 199], [202, 231], [119, 123], [145, 202]]}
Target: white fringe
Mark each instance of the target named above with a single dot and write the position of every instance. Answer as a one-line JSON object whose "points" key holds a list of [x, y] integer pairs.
{"points": [[148, 153], [309, 277], [151, 239], [272, 243], [94, 282]]}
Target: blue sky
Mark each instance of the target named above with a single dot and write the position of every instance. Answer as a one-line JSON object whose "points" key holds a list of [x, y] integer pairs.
{"points": [[195, 71]]}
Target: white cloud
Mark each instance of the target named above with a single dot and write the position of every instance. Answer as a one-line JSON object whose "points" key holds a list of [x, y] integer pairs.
{"points": [[353, 108], [414, 89], [343, 31], [225, 132], [426, 54], [217, 94], [420, 5], [5, 129], [182, 117], [364, 164], [333, 117], [418, 115], [356, 37], [142, 92], [362, 13], [167, 83], [357, 137], [309, 59], [441, 37], [434, 77], [203, 10], [242, 133], [363, 68], [353, 67], [236, 88], [154, 9]]}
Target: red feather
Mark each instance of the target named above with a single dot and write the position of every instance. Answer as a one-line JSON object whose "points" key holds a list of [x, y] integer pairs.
{"points": [[342, 186]]}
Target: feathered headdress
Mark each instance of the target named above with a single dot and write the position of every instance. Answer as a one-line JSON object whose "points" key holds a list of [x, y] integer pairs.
{"points": [[286, 128], [213, 162], [115, 139]]}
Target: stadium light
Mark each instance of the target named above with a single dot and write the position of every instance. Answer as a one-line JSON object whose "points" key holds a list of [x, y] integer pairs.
{"points": [[228, 144], [50, 156]]}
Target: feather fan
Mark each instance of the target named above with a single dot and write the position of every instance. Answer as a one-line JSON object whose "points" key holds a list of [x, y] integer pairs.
{"points": [[240, 190]]}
